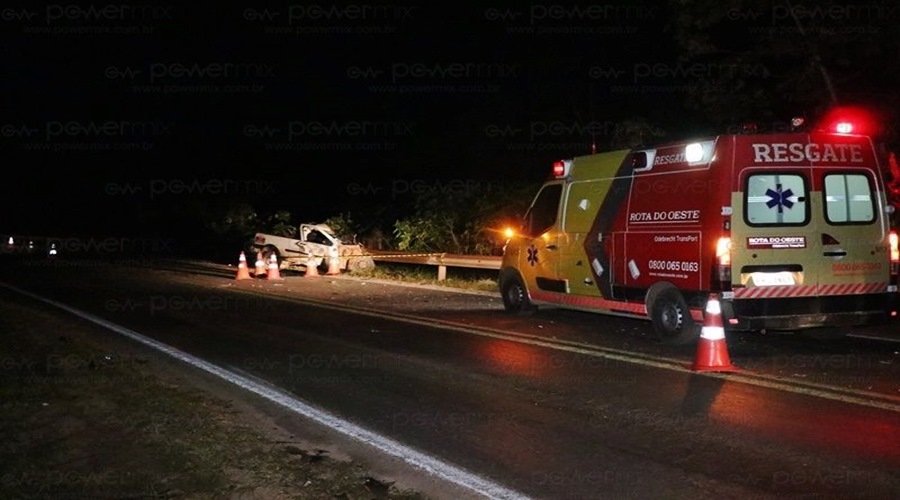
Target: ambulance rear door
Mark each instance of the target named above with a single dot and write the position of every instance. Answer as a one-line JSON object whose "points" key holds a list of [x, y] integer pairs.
{"points": [[807, 232], [855, 264]]}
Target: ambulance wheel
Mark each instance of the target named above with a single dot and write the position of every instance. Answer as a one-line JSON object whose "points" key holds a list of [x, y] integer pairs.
{"points": [[515, 295], [670, 316]]}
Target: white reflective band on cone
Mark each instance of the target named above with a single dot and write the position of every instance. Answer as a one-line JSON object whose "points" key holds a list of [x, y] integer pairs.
{"points": [[712, 327], [713, 333]]}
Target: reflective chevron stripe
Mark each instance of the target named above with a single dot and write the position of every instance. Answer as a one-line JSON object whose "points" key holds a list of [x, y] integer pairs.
{"points": [[768, 292]]}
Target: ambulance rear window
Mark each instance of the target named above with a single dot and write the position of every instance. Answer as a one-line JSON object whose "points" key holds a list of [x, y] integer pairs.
{"points": [[848, 199], [776, 199]]}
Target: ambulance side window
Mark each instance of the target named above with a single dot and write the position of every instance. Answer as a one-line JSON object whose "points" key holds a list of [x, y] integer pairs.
{"points": [[848, 199], [543, 212], [776, 199]]}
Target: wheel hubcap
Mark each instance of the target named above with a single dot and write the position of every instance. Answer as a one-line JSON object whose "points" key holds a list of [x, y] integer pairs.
{"points": [[673, 318]]}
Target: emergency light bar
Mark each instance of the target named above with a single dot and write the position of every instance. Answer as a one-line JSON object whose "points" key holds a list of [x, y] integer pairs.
{"points": [[561, 168], [849, 120], [843, 127]]}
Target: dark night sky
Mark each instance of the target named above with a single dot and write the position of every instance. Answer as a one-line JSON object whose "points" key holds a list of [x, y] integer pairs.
{"points": [[121, 120]]}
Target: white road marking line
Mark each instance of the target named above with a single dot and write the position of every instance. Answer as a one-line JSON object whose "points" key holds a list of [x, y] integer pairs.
{"points": [[863, 398], [873, 337], [412, 457]]}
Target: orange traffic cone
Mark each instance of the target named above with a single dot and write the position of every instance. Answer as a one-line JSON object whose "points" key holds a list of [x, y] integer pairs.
{"points": [[243, 273], [260, 265], [712, 353], [273, 273], [311, 271], [334, 264]]}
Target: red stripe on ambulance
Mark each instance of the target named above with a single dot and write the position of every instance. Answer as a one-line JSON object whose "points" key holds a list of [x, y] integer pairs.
{"points": [[582, 301]]}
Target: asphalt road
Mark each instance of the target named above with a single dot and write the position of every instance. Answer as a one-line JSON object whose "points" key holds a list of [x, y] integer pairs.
{"points": [[553, 405]]}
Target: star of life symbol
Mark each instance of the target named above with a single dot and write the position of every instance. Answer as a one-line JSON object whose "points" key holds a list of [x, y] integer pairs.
{"points": [[779, 198], [532, 255]]}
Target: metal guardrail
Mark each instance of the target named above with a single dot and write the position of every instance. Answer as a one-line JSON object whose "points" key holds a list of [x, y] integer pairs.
{"points": [[43, 245], [441, 260]]}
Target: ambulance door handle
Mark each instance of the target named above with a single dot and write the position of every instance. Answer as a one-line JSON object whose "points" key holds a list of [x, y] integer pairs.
{"points": [[552, 247], [840, 253]]}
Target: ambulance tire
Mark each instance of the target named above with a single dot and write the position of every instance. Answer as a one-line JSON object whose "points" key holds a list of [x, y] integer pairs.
{"points": [[670, 316], [515, 295]]}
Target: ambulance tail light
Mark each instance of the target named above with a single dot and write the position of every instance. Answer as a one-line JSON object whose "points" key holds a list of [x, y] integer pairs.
{"points": [[723, 262], [895, 252]]}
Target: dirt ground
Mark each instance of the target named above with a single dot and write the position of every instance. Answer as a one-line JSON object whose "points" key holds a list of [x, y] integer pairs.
{"points": [[89, 414]]}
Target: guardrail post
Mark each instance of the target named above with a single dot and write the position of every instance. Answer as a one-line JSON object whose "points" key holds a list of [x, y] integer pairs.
{"points": [[442, 273]]}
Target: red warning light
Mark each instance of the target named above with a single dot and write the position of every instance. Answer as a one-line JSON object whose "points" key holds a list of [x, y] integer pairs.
{"points": [[559, 169], [843, 127], [849, 120]]}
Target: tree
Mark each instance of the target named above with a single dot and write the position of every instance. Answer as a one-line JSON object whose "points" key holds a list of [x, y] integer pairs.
{"points": [[635, 132], [761, 60], [238, 220], [280, 224], [467, 219], [343, 226]]}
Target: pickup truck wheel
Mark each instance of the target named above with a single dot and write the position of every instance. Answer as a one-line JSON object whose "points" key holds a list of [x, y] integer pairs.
{"points": [[360, 264], [250, 252], [670, 316], [268, 251], [515, 295]]}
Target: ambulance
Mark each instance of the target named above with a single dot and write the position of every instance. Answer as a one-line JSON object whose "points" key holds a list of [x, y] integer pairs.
{"points": [[791, 231]]}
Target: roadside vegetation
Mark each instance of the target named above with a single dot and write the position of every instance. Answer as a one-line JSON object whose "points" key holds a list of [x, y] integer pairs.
{"points": [[469, 221], [478, 280], [72, 427]]}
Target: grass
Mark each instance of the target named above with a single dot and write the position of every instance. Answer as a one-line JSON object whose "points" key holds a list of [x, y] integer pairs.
{"points": [[72, 427]]}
